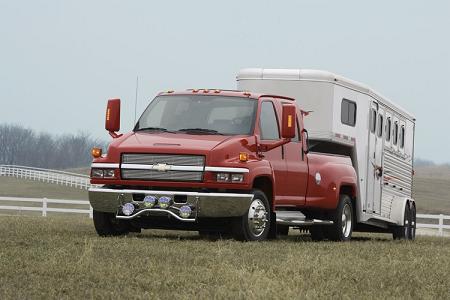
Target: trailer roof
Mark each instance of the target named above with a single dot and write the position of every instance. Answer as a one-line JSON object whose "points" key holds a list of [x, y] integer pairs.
{"points": [[318, 75]]}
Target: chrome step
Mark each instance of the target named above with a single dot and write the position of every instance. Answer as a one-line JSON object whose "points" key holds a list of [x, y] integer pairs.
{"points": [[296, 218]]}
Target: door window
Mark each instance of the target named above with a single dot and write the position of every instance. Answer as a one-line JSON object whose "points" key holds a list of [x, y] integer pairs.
{"points": [[373, 120], [388, 129], [380, 126], [348, 112], [268, 122], [395, 134]]}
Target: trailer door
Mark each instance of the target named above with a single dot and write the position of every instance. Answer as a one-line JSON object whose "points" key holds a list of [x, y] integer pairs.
{"points": [[374, 175]]}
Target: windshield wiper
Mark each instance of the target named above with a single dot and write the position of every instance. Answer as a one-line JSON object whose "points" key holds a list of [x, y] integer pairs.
{"points": [[154, 129], [200, 130]]}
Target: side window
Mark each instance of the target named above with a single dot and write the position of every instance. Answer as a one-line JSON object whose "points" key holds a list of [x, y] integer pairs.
{"points": [[380, 126], [388, 129], [373, 120], [395, 133], [402, 137], [268, 122], [348, 112], [297, 134]]}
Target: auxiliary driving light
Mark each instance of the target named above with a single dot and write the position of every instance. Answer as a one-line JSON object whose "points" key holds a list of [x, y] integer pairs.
{"points": [[164, 202], [185, 211], [149, 201], [127, 209]]}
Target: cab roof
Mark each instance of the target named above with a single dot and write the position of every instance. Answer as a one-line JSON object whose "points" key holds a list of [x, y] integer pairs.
{"points": [[220, 92]]}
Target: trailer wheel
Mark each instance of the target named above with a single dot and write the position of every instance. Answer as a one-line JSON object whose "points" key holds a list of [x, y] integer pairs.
{"points": [[412, 222], [343, 220], [255, 224], [403, 232], [106, 224]]}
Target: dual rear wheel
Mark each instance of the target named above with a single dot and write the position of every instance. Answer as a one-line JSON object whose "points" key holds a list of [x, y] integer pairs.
{"points": [[408, 230]]}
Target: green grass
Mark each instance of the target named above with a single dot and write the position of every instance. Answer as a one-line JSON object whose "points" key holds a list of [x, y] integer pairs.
{"points": [[15, 187], [64, 258]]}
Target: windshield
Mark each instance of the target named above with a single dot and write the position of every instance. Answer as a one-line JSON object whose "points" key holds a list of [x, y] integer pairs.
{"points": [[197, 114]]}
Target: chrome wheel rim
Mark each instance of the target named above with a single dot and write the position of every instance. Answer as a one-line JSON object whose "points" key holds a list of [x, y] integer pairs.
{"points": [[346, 220], [257, 217]]}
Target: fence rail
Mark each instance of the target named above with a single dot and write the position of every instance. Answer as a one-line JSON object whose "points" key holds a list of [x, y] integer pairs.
{"points": [[45, 202], [47, 175], [440, 226]]}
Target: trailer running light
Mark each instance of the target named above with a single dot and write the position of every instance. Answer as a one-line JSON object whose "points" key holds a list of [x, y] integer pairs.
{"points": [[164, 202], [149, 201], [185, 211], [96, 152], [127, 209]]}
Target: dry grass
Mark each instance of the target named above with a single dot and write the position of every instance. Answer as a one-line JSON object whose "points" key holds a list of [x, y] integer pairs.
{"points": [[64, 258]]}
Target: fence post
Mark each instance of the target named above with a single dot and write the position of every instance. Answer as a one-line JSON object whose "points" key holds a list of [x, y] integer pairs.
{"points": [[441, 224], [44, 207], [91, 212]]}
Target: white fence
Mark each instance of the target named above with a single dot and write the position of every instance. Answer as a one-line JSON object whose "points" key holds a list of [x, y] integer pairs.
{"points": [[440, 226], [46, 175], [45, 203]]}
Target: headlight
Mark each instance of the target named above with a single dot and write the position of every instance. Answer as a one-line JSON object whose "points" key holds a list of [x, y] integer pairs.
{"points": [[108, 173], [229, 177], [97, 173], [102, 173]]}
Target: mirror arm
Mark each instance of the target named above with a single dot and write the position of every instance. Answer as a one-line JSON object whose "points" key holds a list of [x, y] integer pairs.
{"points": [[115, 135], [268, 147]]}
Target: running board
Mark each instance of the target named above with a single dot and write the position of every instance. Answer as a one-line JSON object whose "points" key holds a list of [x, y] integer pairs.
{"points": [[296, 218]]}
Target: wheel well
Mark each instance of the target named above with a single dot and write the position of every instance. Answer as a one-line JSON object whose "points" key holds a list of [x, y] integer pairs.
{"points": [[265, 185], [349, 191]]}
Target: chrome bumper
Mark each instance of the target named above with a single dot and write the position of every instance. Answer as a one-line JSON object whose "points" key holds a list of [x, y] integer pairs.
{"points": [[203, 205]]}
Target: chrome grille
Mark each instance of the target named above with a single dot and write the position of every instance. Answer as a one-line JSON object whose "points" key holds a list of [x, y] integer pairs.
{"points": [[141, 173], [153, 159]]}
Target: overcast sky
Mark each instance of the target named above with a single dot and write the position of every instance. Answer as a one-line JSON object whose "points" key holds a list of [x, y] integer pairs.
{"points": [[61, 60]]}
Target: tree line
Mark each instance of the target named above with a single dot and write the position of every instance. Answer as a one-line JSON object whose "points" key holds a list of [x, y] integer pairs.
{"points": [[26, 147]]}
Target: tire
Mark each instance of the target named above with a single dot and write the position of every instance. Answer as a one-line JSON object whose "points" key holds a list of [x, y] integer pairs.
{"points": [[403, 232], [412, 222], [343, 221], [255, 224], [106, 224], [317, 233]]}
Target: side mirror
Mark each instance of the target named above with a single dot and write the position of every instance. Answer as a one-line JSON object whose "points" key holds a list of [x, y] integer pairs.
{"points": [[112, 120], [288, 120]]}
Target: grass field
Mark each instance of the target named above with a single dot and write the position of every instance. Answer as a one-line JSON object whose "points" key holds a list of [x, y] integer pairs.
{"points": [[64, 258]]}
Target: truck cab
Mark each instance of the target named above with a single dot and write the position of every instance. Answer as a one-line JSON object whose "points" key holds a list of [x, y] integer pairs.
{"points": [[220, 162]]}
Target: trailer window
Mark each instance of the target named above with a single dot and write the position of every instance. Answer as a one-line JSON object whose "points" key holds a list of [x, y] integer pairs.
{"points": [[395, 134], [348, 112], [380, 126], [402, 137], [373, 120], [388, 129], [268, 122]]}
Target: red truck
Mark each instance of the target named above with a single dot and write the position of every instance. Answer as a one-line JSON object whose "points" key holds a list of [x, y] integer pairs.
{"points": [[220, 162]]}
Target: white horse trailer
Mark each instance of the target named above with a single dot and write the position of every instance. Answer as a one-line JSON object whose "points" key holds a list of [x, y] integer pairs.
{"points": [[349, 118]]}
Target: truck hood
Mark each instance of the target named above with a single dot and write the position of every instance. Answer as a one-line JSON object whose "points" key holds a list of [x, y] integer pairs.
{"points": [[163, 142]]}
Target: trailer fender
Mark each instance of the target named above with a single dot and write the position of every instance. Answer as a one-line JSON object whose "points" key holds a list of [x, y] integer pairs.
{"points": [[398, 209]]}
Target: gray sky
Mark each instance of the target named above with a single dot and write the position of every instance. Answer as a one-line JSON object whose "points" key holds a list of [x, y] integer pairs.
{"points": [[61, 60]]}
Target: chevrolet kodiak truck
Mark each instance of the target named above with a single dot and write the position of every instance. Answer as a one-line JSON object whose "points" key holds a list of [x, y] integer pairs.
{"points": [[220, 162]]}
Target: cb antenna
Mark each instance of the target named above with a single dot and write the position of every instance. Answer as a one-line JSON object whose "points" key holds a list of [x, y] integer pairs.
{"points": [[135, 99]]}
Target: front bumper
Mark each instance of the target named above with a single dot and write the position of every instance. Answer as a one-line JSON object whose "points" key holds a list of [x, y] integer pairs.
{"points": [[203, 205]]}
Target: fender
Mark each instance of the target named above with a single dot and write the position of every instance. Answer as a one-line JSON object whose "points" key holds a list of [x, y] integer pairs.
{"points": [[398, 209], [327, 174]]}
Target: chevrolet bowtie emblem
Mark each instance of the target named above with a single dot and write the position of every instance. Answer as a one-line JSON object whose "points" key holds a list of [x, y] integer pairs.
{"points": [[161, 167]]}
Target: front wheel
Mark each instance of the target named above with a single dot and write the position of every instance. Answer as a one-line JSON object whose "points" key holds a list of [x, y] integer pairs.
{"points": [[106, 224], [343, 221], [255, 224]]}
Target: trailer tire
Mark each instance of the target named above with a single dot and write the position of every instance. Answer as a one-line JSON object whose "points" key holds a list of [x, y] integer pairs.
{"points": [[254, 225], [106, 224], [343, 221], [403, 232], [412, 222]]}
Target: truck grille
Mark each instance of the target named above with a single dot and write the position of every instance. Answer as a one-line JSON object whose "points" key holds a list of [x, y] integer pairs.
{"points": [[144, 162]]}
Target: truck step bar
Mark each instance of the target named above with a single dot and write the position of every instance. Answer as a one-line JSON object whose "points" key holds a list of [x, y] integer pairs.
{"points": [[296, 218]]}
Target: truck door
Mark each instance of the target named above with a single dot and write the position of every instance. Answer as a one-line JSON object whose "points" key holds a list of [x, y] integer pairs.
{"points": [[374, 168]]}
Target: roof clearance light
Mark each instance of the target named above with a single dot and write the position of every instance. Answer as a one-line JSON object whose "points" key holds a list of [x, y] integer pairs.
{"points": [[185, 211], [164, 202], [205, 91], [127, 209], [149, 201], [96, 152], [217, 91]]}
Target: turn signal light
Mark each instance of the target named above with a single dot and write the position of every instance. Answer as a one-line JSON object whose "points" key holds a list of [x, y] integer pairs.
{"points": [[243, 156], [96, 152]]}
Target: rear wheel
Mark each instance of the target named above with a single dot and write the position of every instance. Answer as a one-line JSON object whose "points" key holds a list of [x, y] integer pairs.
{"points": [[343, 221], [403, 232], [106, 224], [255, 224]]}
